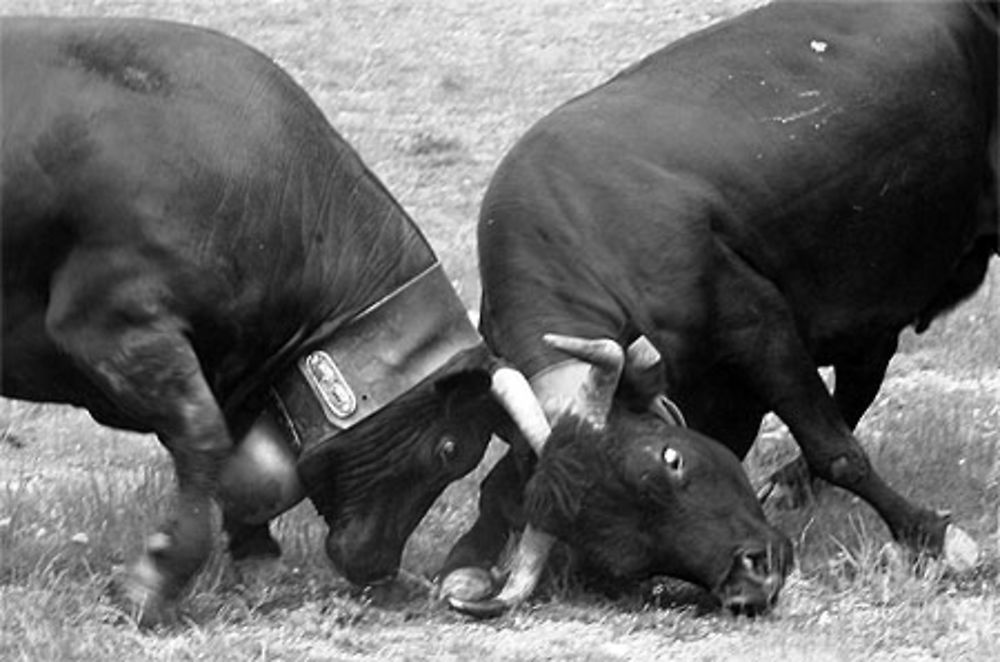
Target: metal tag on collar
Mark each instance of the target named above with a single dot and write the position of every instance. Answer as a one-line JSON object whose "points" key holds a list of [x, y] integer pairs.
{"points": [[329, 384]]}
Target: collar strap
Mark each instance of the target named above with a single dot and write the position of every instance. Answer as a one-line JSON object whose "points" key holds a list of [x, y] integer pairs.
{"points": [[376, 357]]}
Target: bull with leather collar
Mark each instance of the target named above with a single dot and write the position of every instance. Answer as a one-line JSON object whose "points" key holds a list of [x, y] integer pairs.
{"points": [[784, 190], [190, 249]]}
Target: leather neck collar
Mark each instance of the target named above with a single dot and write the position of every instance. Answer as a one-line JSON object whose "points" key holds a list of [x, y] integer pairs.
{"points": [[379, 355]]}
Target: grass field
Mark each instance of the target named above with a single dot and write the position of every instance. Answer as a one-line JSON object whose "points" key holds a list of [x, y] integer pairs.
{"points": [[432, 93]]}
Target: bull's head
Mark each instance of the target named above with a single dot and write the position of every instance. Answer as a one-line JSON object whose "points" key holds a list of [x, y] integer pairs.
{"points": [[637, 494], [377, 481], [390, 409]]}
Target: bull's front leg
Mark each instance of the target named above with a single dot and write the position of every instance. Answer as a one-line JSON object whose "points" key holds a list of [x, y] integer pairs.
{"points": [[119, 333], [469, 572], [259, 481], [859, 377], [759, 331], [832, 452], [155, 376]]}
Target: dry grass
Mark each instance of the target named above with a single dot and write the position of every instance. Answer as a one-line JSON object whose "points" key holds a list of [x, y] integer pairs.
{"points": [[432, 94]]}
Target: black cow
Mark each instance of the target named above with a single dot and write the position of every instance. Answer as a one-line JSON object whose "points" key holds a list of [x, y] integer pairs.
{"points": [[190, 249], [781, 191]]}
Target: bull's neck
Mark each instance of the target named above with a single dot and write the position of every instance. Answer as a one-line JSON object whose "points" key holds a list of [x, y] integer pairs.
{"points": [[344, 244], [378, 251]]}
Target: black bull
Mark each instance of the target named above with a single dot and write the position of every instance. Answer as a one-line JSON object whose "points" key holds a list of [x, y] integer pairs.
{"points": [[782, 191], [190, 249]]}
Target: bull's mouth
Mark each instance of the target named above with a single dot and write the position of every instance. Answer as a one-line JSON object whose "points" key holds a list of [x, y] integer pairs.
{"points": [[753, 583], [363, 566]]}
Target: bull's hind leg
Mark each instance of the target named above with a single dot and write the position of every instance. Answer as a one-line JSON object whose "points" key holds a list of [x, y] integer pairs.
{"points": [[117, 328], [467, 573]]}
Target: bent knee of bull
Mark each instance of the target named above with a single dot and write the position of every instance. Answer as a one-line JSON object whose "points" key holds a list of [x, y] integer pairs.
{"points": [[259, 480], [847, 466], [849, 469]]}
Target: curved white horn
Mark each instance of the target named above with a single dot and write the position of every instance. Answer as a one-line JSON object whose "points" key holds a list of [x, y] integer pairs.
{"points": [[607, 360], [513, 392], [529, 561]]}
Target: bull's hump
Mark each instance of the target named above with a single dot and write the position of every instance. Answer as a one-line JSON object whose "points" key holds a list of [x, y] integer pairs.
{"points": [[120, 60]]}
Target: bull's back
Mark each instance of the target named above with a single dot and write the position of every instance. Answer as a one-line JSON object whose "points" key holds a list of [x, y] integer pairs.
{"points": [[133, 105], [841, 140], [158, 169], [831, 147]]}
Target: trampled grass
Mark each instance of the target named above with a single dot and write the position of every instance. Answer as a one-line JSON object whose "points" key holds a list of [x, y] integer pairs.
{"points": [[432, 94]]}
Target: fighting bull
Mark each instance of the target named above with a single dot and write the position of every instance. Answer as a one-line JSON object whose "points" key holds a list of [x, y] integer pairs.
{"points": [[785, 190], [190, 249]]}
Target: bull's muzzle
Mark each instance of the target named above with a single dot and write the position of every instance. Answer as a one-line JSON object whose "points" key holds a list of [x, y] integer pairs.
{"points": [[368, 566], [752, 585]]}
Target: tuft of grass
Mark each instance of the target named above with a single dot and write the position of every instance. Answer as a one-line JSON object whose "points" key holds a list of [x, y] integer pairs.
{"points": [[427, 144]]}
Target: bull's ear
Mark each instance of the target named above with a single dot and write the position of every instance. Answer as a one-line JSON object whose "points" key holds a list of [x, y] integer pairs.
{"points": [[466, 373]]}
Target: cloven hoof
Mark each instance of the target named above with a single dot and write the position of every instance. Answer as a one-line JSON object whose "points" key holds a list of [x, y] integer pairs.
{"points": [[961, 553]]}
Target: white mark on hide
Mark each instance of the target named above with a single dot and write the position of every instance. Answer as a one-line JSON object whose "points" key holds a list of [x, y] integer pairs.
{"points": [[799, 115], [818, 46], [809, 93]]}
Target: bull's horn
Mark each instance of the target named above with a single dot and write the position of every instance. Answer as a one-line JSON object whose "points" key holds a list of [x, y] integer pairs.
{"points": [[513, 392], [527, 565], [641, 355], [765, 491], [607, 359]]}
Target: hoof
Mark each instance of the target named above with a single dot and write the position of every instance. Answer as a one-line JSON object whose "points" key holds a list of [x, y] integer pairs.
{"points": [[141, 593], [961, 552], [467, 585], [491, 608]]}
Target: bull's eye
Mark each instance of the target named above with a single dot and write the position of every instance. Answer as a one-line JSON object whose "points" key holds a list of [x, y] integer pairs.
{"points": [[447, 448], [672, 459]]}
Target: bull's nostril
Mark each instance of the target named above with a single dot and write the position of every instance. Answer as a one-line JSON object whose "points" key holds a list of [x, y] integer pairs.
{"points": [[752, 585], [744, 606], [756, 564]]}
